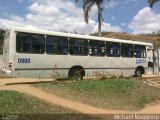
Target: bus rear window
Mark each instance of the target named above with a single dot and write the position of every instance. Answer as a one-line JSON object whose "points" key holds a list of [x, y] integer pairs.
{"points": [[30, 43], [57, 45]]}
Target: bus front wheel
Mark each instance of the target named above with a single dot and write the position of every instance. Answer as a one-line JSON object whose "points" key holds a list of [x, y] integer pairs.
{"points": [[138, 73]]}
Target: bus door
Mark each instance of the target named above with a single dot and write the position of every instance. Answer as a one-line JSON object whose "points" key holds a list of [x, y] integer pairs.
{"points": [[155, 60], [150, 60]]}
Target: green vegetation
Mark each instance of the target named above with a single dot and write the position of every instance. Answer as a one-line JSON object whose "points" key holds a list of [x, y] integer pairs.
{"points": [[121, 94], [27, 107], [144, 100], [110, 86], [18, 103]]}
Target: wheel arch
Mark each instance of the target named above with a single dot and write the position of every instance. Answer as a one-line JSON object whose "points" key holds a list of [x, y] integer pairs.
{"points": [[141, 69], [79, 67]]}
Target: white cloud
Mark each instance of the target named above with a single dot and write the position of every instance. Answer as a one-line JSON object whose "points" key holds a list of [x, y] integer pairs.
{"points": [[146, 21], [108, 27], [57, 15], [93, 12], [17, 18], [113, 18], [127, 1], [40, 9], [123, 24], [9, 23], [112, 3]]}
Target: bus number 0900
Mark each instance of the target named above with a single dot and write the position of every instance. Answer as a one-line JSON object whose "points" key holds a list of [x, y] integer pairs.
{"points": [[23, 60]]}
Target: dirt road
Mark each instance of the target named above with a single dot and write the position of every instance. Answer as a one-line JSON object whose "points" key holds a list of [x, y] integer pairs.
{"points": [[83, 108], [9, 81]]}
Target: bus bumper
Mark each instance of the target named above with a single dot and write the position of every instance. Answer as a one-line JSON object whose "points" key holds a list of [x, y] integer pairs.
{"points": [[7, 72]]}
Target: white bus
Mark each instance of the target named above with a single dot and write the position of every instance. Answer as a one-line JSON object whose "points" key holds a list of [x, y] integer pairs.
{"points": [[41, 54]]}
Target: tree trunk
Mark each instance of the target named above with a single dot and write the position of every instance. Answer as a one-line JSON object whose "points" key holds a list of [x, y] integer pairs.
{"points": [[99, 20], [99, 28]]}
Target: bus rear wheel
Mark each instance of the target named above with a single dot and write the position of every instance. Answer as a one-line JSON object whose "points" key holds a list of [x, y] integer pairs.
{"points": [[75, 74]]}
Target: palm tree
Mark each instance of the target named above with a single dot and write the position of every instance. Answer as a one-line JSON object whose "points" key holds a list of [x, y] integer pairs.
{"points": [[87, 6], [152, 2]]}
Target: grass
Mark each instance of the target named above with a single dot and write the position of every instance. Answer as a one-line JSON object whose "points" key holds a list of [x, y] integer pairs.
{"points": [[28, 107], [142, 100], [18, 103], [123, 94], [109, 86]]}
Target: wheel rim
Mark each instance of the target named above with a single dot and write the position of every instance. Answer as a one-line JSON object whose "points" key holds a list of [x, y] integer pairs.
{"points": [[138, 73], [76, 75]]}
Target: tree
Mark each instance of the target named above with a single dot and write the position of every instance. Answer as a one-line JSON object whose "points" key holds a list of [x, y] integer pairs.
{"points": [[152, 2], [87, 6]]}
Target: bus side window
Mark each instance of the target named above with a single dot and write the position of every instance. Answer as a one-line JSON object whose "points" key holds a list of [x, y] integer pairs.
{"points": [[30, 43], [37, 43], [112, 49], [56, 45], [78, 46], [23, 43], [126, 50], [139, 51], [64, 45], [96, 48]]}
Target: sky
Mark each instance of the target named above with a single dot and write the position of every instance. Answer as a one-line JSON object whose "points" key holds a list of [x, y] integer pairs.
{"points": [[131, 16]]}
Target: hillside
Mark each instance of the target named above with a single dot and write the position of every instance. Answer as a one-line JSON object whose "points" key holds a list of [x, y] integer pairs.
{"points": [[152, 38]]}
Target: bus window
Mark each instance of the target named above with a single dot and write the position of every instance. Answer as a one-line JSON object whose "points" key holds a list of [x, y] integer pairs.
{"points": [[56, 45], [78, 46], [30, 43], [126, 50], [139, 51], [96, 48], [112, 49]]}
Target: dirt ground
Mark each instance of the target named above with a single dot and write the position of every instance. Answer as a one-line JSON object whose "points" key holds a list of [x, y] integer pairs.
{"points": [[9, 81], [83, 108]]}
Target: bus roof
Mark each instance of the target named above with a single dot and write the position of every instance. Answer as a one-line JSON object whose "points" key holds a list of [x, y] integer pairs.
{"points": [[45, 32]]}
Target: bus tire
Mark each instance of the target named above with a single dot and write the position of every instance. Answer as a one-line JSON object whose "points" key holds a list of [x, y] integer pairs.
{"points": [[138, 72], [76, 74]]}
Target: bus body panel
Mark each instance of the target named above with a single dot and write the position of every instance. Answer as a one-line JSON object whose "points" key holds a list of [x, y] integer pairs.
{"points": [[49, 66], [61, 65], [6, 48]]}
